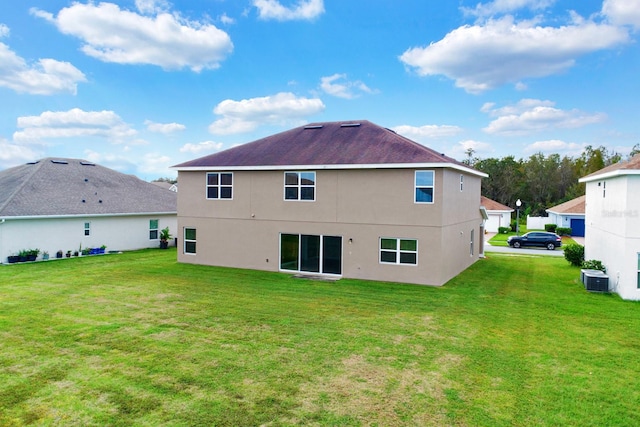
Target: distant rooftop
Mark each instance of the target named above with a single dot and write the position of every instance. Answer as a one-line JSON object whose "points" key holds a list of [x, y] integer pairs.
{"points": [[630, 167], [60, 187], [574, 206]]}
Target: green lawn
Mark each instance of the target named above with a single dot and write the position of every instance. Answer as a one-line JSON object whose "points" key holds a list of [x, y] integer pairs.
{"points": [[137, 339]]}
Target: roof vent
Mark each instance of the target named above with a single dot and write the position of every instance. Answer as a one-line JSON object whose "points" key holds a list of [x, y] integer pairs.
{"points": [[314, 127], [33, 163], [349, 125], [87, 164], [60, 162]]}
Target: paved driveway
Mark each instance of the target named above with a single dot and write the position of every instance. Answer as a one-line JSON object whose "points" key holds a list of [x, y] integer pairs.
{"points": [[521, 251]]}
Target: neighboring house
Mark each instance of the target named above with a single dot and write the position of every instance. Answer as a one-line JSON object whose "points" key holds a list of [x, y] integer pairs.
{"points": [[65, 204], [166, 185], [569, 214], [498, 214], [613, 224], [342, 199]]}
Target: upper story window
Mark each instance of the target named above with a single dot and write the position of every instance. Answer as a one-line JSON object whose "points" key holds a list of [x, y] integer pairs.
{"points": [[219, 185], [300, 186], [424, 184]]}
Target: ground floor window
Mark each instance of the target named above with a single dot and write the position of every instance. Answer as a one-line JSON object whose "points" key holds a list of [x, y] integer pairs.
{"points": [[189, 240], [398, 251], [87, 228], [311, 253], [638, 271], [153, 229]]}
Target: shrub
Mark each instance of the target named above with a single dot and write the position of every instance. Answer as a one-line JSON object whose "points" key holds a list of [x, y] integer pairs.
{"points": [[551, 228], [594, 264], [504, 230], [574, 253], [564, 231]]}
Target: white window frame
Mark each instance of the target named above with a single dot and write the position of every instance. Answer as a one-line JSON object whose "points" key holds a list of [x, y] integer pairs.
{"points": [[432, 187], [185, 241], [219, 185], [157, 229], [321, 236], [87, 228], [638, 284], [398, 251], [461, 182], [299, 186]]}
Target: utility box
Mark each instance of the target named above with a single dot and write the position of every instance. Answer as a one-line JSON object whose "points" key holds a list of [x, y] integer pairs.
{"points": [[594, 280]]}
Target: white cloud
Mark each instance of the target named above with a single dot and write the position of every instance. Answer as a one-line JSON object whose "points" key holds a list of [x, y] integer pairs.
{"points": [[622, 12], [247, 114], [532, 115], [154, 163], [483, 57], [208, 146], [45, 77], [14, 154], [337, 85], [479, 148], [165, 128], [555, 146], [426, 132], [152, 7], [227, 20], [72, 123], [167, 40], [303, 10], [506, 6]]}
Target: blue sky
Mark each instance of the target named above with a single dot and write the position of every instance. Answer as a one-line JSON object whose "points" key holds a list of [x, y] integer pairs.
{"points": [[140, 85]]}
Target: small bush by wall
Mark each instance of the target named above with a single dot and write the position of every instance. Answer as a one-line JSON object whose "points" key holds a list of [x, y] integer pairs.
{"points": [[594, 264], [574, 253], [504, 230], [550, 228], [564, 231]]}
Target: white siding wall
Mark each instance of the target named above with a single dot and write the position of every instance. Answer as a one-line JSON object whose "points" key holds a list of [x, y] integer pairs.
{"points": [[497, 220], [613, 231], [117, 233]]}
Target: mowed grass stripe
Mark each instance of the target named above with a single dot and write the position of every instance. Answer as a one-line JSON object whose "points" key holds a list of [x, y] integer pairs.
{"points": [[138, 339]]}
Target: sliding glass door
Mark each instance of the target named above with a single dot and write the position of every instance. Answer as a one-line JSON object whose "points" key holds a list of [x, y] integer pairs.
{"points": [[311, 253]]}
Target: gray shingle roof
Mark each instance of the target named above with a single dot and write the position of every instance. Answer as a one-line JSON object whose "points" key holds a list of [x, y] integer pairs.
{"points": [[329, 143], [59, 187]]}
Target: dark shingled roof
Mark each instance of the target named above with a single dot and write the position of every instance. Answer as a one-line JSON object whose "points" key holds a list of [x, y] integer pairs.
{"points": [[330, 143], [59, 187]]}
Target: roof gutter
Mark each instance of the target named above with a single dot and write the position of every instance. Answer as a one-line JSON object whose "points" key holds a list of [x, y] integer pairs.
{"points": [[612, 174], [332, 167], [2, 220]]}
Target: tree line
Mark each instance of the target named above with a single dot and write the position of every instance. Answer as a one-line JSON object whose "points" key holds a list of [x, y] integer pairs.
{"points": [[540, 181]]}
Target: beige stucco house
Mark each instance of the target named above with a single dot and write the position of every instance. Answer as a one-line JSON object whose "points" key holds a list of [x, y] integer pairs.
{"points": [[342, 199], [612, 224]]}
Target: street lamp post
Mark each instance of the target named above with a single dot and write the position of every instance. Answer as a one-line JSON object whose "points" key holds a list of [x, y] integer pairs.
{"points": [[518, 204]]}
